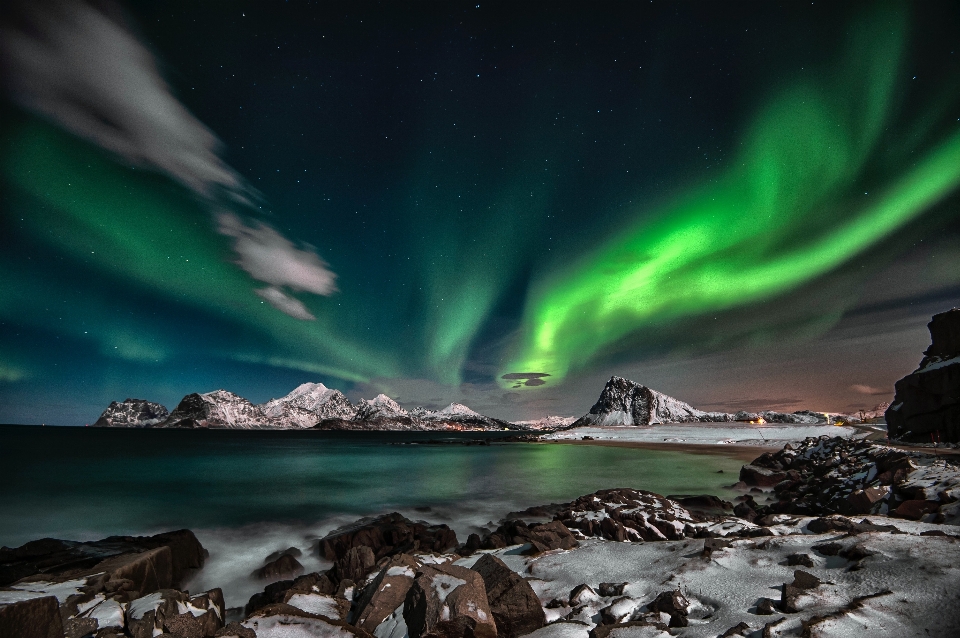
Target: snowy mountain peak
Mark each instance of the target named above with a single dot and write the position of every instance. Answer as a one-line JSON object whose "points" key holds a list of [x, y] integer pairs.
{"points": [[459, 409], [381, 406], [307, 404], [625, 402], [132, 413]]}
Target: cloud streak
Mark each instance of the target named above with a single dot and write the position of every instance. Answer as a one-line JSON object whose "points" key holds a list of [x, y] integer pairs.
{"points": [[78, 66]]}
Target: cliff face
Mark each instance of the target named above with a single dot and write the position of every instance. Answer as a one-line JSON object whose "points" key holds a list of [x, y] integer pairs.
{"points": [[132, 413], [927, 403]]}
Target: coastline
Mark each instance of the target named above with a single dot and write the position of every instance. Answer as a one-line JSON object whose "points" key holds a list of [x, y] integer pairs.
{"points": [[745, 453]]}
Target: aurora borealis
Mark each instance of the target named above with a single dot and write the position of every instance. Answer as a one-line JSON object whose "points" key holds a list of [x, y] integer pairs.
{"points": [[440, 202]]}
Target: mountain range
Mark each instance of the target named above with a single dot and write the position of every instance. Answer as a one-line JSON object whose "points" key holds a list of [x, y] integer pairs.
{"points": [[314, 405], [310, 405]]}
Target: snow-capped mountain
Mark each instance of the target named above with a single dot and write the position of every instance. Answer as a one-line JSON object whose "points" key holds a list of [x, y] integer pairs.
{"points": [[132, 413], [379, 407], [457, 409], [625, 402], [383, 413], [308, 404], [217, 409]]}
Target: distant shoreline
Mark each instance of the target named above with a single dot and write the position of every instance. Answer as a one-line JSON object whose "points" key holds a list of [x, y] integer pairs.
{"points": [[740, 452]]}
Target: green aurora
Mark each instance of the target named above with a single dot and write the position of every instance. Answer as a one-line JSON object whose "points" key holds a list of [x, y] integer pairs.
{"points": [[794, 207]]}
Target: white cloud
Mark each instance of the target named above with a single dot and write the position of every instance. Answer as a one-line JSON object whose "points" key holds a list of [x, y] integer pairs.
{"points": [[285, 303], [867, 389], [79, 66], [272, 258]]}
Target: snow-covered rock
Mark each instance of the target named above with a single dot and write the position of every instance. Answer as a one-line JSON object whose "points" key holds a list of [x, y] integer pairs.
{"points": [[132, 413]]}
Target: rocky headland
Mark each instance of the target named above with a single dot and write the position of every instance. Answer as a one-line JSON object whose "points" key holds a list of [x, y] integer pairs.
{"points": [[829, 536], [926, 407]]}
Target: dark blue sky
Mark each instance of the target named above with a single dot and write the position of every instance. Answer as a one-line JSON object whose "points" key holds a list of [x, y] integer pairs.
{"points": [[746, 206]]}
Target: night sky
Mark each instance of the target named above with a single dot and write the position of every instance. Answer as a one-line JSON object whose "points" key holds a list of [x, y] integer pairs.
{"points": [[744, 205]]}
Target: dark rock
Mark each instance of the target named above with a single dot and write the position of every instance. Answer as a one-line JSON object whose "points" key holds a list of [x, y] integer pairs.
{"points": [[472, 545], [611, 589], [515, 606], [711, 545], [301, 623], [388, 535], [744, 511], [290, 551], [355, 564], [739, 630], [284, 567], [212, 601], [235, 630], [620, 610], [704, 507], [927, 402], [386, 593], [116, 555], [75, 627], [761, 476], [791, 594], [447, 601], [556, 603], [915, 510], [673, 603], [862, 501], [278, 592], [603, 631], [831, 524], [34, 618], [799, 559], [541, 537], [766, 607], [583, 594], [828, 549]]}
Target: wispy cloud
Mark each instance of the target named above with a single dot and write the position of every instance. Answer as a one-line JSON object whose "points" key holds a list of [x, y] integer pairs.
{"points": [[77, 65], [285, 303], [272, 258], [867, 389]]}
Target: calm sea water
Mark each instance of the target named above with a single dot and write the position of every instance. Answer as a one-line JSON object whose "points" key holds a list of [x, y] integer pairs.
{"points": [[247, 493]]}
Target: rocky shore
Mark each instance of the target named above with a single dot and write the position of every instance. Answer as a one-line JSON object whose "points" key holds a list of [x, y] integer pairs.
{"points": [[830, 537]]}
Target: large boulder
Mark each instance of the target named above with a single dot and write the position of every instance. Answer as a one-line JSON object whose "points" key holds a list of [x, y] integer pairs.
{"points": [[119, 556], [387, 535], [176, 612], [515, 606], [927, 403], [541, 537], [382, 600], [284, 567], [29, 618], [447, 601], [283, 621]]}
